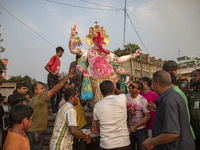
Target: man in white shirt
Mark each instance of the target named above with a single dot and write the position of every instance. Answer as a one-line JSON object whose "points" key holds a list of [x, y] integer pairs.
{"points": [[111, 114]]}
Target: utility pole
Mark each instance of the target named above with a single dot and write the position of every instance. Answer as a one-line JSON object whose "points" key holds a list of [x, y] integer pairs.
{"points": [[124, 24]]}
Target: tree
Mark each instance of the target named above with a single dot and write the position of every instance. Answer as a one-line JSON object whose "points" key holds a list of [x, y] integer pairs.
{"points": [[2, 66], [117, 50], [133, 48], [26, 79], [2, 49]]}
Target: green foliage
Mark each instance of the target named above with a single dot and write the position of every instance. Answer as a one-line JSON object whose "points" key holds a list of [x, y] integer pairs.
{"points": [[133, 48], [117, 50], [2, 49], [2, 66], [26, 79]]}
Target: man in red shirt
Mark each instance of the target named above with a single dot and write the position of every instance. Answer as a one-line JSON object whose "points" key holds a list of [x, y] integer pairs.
{"points": [[53, 67]]}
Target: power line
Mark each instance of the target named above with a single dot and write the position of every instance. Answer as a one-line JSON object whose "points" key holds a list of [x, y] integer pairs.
{"points": [[27, 26], [102, 5], [31, 29], [137, 34], [81, 6]]}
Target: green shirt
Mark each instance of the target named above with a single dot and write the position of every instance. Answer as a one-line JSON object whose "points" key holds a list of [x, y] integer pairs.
{"points": [[40, 114], [176, 88]]}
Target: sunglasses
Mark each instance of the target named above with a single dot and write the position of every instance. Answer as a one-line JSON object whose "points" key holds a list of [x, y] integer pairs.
{"points": [[132, 86]]}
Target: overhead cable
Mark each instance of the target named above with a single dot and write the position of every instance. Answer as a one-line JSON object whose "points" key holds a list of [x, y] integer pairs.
{"points": [[137, 34], [82, 6], [27, 26], [31, 29], [102, 5]]}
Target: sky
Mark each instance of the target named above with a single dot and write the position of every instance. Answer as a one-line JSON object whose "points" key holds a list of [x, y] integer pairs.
{"points": [[33, 29]]}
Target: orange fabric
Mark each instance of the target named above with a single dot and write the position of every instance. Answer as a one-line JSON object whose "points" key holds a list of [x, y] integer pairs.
{"points": [[15, 141]]}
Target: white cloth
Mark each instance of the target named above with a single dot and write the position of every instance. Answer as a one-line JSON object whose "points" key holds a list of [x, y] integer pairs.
{"points": [[149, 133], [112, 114], [140, 104]]}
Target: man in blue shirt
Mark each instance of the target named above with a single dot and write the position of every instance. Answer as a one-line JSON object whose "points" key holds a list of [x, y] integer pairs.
{"points": [[171, 128]]}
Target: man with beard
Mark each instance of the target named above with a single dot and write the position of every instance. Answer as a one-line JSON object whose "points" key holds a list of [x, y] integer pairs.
{"points": [[182, 82], [4, 103], [194, 107]]}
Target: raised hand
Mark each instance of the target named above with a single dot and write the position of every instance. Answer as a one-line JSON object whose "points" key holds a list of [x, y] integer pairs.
{"points": [[138, 52], [74, 28]]}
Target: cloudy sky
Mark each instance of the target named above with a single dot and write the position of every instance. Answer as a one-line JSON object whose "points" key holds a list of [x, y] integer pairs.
{"points": [[33, 29]]}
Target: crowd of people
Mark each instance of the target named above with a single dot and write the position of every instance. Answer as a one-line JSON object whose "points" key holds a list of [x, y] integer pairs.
{"points": [[155, 114], [159, 113]]}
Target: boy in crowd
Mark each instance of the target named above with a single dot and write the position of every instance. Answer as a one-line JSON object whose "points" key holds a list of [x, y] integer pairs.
{"points": [[16, 98], [20, 116], [139, 115], [21, 88], [53, 67]]}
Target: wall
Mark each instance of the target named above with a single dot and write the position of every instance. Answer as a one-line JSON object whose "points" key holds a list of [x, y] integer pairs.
{"points": [[141, 66], [7, 88]]}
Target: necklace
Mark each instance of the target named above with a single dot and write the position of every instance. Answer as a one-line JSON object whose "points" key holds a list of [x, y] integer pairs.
{"points": [[97, 50]]}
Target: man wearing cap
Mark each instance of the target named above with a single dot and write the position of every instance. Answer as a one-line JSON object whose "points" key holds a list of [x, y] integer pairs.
{"points": [[182, 82]]}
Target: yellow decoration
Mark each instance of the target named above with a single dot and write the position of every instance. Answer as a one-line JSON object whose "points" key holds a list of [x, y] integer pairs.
{"points": [[93, 32]]}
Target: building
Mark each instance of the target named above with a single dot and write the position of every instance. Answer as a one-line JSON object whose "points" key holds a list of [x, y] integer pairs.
{"points": [[186, 65], [7, 88], [5, 62], [142, 66]]}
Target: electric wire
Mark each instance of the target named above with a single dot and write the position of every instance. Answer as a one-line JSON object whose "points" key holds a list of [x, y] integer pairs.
{"points": [[32, 29], [102, 5], [81, 6], [116, 9], [137, 33], [27, 26], [84, 8]]}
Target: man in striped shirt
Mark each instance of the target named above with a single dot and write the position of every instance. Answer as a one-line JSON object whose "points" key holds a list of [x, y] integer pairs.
{"points": [[65, 127]]}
